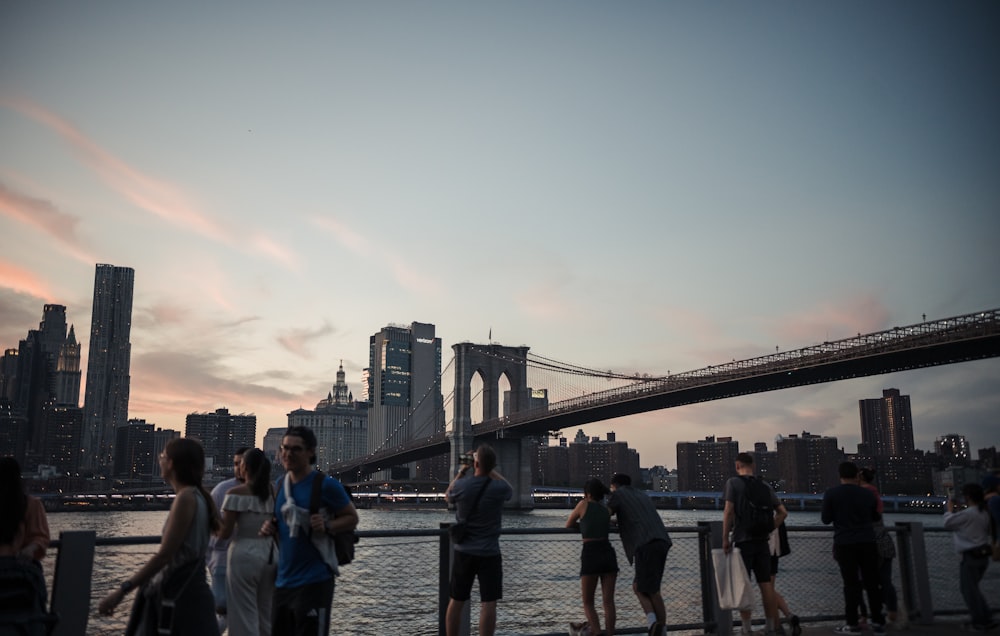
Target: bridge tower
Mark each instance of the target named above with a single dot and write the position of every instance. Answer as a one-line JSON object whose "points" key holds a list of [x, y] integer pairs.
{"points": [[491, 362]]}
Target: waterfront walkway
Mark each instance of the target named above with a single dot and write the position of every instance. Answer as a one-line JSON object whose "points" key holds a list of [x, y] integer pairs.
{"points": [[938, 628]]}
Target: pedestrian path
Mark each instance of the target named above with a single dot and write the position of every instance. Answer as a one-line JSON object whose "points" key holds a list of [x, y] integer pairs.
{"points": [[939, 627]]}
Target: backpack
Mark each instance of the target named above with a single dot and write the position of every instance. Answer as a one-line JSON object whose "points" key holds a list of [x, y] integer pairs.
{"points": [[756, 512], [22, 599], [343, 542]]}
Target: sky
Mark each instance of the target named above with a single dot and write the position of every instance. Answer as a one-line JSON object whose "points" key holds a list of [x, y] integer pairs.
{"points": [[634, 186]]}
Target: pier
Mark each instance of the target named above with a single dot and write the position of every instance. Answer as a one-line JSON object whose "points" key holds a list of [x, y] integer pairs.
{"points": [[398, 582]]}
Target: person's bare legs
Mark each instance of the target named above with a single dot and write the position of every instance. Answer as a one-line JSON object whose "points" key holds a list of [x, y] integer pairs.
{"points": [[608, 600], [453, 617], [588, 586], [652, 603], [770, 604], [487, 618], [779, 600]]}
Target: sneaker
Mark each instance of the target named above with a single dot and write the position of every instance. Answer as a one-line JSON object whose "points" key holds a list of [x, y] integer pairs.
{"points": [[847, 629], [576, 629], [793, 621]]}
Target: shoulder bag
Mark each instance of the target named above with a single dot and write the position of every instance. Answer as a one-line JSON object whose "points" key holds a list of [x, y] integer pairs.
{"points": [[460, 529]]}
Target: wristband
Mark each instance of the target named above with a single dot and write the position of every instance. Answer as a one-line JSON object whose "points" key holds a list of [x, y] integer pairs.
{"points": [[126, 586]]}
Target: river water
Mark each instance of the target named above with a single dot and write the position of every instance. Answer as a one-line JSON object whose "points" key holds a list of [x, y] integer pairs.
{"points": [[393, 584]]}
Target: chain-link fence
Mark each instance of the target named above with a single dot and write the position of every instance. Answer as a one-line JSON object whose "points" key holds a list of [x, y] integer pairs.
{"points": [[398, 582]]}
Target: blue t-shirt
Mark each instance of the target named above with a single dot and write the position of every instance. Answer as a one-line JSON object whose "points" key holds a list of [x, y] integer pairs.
{"points": [[299, 562]]}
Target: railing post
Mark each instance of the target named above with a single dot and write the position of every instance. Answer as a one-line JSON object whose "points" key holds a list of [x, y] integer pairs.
{"points": [[913, 570], [71, 582], [447, 555], [714, 615], [444, 576]]}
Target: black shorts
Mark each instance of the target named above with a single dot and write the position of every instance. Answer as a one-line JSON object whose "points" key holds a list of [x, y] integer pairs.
{"points": [[467, 567], [598, 557], [650, 559], [774, 565], [757, 559]]}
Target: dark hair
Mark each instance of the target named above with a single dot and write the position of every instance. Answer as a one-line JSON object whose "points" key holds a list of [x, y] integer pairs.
{"points": [[257, 469], [621, 479], [973, 494], [187, 456], [241, 450], [848, 470], [13, 501], [745, 458], [595, 488], [487, 457], [308, 439], [867, 475]]}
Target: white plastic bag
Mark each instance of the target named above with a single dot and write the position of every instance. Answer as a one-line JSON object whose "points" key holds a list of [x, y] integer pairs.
{"points": [[732, 580]]}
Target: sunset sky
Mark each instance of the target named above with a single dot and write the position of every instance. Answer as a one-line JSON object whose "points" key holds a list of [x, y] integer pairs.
{"points": [[636, 186]]}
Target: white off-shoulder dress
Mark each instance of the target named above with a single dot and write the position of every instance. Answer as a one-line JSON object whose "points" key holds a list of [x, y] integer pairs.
{"points": [[252, 564]]}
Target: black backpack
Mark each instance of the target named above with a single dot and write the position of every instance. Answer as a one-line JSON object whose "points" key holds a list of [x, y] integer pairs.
{"points": [[756, 512], [343, 542]]}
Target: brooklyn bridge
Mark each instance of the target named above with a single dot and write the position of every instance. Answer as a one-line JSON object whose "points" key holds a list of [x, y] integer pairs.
{"points": [[583, 395]]}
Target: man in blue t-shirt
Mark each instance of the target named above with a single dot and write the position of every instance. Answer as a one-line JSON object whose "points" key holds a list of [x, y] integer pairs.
{"points": [[304, 588]]}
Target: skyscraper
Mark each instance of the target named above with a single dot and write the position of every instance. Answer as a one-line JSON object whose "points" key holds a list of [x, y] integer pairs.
{"points": [[404, 388], [106, 399], [886, 425]]}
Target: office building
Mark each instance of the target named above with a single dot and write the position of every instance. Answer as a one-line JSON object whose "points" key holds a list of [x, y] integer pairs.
{"points": [[705, 465], [404, 391], [339, 422], [808, 463], [221, 433], [134, 446], [601, 459], [105, 406], [953, 450], [886, 425], [160, 438], [41, 374]]}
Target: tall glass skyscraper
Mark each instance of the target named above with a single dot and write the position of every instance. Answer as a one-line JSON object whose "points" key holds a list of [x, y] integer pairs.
{"points": [[404, 389], [105, 405]]}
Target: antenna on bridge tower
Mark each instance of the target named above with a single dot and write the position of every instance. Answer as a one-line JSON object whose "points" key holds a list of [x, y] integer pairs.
{"points": [[489, 339]]}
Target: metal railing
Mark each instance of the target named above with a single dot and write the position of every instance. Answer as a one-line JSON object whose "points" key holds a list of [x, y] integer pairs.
{"points": [[399, 577]]}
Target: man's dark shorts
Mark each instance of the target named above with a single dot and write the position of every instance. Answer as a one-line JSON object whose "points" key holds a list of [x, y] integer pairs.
{"points": [[489, 570], [757, 559], [650, 559], [302, 611]]}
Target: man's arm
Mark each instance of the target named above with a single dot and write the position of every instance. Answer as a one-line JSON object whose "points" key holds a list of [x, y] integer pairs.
{"points": [[826, 516], [461, 473], [781, 513], [728, 515]]}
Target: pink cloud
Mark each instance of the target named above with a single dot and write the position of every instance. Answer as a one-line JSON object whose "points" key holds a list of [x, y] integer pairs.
{"points": [[297, 341], [833, 320], [158, 197], [404, 273], [23, 281], [45, 217]]}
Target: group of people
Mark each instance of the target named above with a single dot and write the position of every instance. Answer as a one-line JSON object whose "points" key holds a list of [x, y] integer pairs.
{"points": [[479, 499], [268, 544], [753, 523], [273, 570]]}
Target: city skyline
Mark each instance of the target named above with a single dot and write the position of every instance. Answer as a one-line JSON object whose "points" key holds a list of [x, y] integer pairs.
{"points": [[642, 187]]}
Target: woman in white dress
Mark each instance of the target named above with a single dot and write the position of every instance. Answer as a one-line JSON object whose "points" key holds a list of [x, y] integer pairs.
{"points": [[252, 559]]}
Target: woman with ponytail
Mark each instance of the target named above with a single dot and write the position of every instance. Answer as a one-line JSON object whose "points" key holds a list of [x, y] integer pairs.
{"points": [[253, 561], [175, 597]]}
